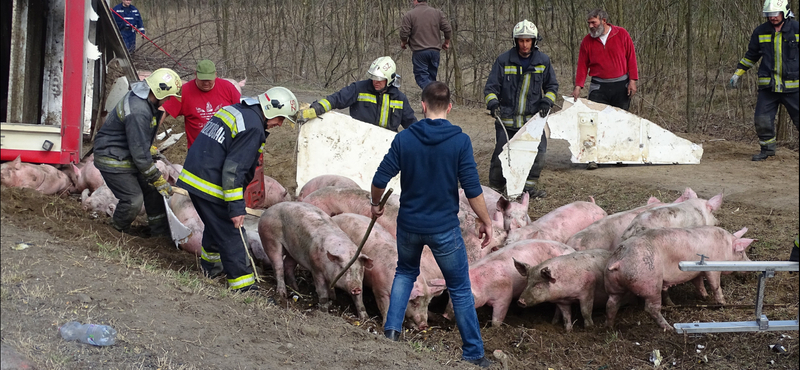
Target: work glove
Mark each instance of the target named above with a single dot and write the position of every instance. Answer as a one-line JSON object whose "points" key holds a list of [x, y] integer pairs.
{"points": [[163, 186], [734, 82], [492, 107], [155, 153], [306, 115], [543, 106]]}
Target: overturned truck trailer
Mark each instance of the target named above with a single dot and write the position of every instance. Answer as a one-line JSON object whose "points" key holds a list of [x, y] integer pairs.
{"points": [[56, 56]]}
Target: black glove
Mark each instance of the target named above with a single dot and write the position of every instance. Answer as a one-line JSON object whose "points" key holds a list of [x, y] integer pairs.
{"points": [[492, 107], [543, 107]]}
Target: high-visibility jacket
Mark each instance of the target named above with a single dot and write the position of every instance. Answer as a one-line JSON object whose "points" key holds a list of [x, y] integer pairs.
{"points": [[518, 90], [779, 70], [122, 145], [389, 109], [223, 158]]}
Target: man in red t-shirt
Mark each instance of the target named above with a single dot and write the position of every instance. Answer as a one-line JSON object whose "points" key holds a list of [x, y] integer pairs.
{"points": [[608, 55], [201, 99]]}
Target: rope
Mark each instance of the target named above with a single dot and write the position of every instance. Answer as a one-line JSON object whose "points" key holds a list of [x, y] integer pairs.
{"points": [[148, 39]]}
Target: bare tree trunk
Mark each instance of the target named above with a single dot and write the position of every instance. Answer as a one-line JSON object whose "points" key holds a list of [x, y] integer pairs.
{"points": [[690, 125]]}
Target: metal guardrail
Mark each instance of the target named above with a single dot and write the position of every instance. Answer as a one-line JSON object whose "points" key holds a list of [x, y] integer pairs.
{"points": [[761, 323]]}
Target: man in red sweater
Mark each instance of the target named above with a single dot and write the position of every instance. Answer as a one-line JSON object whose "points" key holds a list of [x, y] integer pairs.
{"points": [[607, 53], [202, 98]]}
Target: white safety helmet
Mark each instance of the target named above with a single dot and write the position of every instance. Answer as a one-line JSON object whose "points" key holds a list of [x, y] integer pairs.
{"points": [[279, 102], [381, 69], [774, 7], [525, 30], [164, 82]]}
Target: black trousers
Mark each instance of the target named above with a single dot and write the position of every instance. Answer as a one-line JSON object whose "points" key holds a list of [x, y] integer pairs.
{"points": [[614, 94], [219, 236], [766, 109], [133, 190], [496, 179]]}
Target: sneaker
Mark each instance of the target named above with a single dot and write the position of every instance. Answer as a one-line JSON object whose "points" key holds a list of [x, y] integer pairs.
{"points": [[393, 335], [482, 362], [591, 166]]}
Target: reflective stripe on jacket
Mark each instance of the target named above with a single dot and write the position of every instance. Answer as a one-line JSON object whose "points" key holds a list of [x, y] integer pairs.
{"points": [[779, 70], [518, 90], [389, 110], [222, 160]]}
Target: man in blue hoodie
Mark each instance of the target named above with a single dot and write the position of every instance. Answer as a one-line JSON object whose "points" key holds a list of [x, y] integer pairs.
{"points": [[433, 156]]}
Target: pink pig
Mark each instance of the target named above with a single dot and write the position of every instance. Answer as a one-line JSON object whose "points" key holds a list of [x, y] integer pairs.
{"points": [[43, 178], [84, 176], [305, 235], [334, 201], [496, 282], [647, 263], [381, 247], [561, 223], [515, 215], [564, 280], [320, 182], [690, 213]]}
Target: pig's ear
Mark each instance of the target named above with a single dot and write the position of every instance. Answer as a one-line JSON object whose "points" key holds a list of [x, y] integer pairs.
{"points": [[366, 261], [503, 204], [547, 275], [242, 82], [415, 293], [498, 217], [84, 195], [17, 163], [522, 267], [76, 170], [436, 287], [715, 202], [591, 199], [333, 257], [437, 282], [525, 199], [653, 200], [739, 245]]}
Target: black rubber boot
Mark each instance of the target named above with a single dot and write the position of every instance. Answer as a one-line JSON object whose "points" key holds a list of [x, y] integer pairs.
{"points": [[393, 335], [591, 166], [533, 192], [766, 151], [482, 362]]}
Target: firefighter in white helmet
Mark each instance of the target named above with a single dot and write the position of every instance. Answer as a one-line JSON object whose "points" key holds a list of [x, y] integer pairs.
{"points": [[219, 166], [521, 84], [376, 100], [122, 152], [775, 43]]}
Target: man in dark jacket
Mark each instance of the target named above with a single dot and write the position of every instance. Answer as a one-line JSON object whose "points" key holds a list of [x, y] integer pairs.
{"points": [[377, 100], [420, 29], [122, 152], [219, 166], [777, 44], [128, 20], [428, 213], [522, 83]]}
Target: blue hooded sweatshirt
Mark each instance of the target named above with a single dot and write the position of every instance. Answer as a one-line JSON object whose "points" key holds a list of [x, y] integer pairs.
{"points": [[432, 156]]}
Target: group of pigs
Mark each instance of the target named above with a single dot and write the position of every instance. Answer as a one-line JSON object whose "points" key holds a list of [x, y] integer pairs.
{"points": [[574, 254]]}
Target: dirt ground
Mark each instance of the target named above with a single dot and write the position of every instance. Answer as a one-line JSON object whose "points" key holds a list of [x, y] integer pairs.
{"points": [[168, 317]]}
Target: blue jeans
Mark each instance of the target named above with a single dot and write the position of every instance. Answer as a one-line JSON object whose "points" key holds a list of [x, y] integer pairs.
{"points": [[451, 256], [426, 66]]}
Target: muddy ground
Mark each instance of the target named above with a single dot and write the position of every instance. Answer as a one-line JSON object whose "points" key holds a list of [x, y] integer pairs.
{"points": [[168, 317]]}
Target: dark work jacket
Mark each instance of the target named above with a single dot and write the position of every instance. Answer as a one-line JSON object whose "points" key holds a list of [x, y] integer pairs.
{"points": [[518, 90], [389, 109], [780, 67], [222, 160]]}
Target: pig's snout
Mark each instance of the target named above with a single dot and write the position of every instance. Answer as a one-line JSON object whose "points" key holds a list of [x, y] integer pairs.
{"points": [[521, 303], [355, 291]]}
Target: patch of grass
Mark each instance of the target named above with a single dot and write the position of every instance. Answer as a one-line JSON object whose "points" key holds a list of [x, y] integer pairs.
{"points": [[419, 347], [612, 337]]}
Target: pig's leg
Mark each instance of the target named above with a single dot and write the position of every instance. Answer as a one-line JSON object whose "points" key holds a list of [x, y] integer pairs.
{"points": [[499, 311], [665, 299], [652, 305], [612, 306], [359, 301], [274, 252], [587, 304], [566, 311], [701, 287], [556, 317], [322, 290], [289, 265], [713, 281]]}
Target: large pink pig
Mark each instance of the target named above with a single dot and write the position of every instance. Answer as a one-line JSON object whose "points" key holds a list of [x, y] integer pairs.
{"points": [[564, 280], [561, 223], [307, 236], [647, 263], [334, 201], [495, 281], [515, 215], [43, 178], [603, 233], [381, 247], [322, 181], [100, 201], [84, 176], [690, 213]]}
